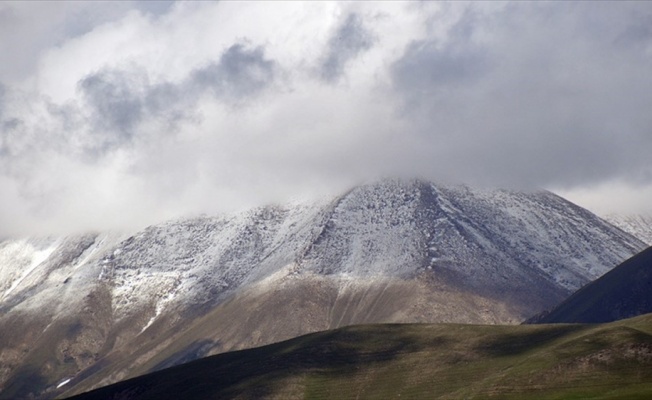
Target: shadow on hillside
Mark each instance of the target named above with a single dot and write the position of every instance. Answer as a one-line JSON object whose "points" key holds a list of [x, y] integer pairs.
{"points": [[338, 353], [256, 373], [23, 384], [193, 351], [511, 344]]}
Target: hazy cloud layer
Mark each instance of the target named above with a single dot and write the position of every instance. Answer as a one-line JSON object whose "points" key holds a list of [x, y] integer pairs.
{"points": [[149, 110]]}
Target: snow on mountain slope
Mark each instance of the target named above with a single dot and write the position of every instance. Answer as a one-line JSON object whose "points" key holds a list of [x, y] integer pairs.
{"points": [[392, 251], [27, 255], [49, 275], [639, 226], [198, 261], [484, 236]]}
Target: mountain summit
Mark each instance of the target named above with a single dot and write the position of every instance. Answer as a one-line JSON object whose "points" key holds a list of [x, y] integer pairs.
{"points": [[95, 309]]}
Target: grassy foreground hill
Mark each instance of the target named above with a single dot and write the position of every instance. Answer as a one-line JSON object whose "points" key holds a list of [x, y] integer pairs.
{"points": [[447, 361]]}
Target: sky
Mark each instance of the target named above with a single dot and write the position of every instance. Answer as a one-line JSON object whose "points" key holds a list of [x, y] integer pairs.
{"points": [[116, 115]]}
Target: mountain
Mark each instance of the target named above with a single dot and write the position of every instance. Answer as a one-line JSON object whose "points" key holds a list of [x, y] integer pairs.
{"points": [[638, 225], [422, 361], [623, 292], [98, 308]]}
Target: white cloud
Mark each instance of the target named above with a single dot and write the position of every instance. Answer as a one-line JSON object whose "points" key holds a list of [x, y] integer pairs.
{"points": [[612, 197], [151, 112]]}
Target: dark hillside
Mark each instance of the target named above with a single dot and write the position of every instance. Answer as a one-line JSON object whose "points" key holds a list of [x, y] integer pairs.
{"points": [[419, 361], [623, 292]]}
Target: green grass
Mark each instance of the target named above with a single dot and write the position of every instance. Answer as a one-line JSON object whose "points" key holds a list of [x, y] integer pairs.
{"points": [[415, 361]]}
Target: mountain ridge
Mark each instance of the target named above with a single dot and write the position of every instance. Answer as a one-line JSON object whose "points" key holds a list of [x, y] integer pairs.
{"points": [[104, 306]]}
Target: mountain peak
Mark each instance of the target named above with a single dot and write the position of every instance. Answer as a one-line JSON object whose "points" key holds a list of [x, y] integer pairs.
{"points": [[389, 251]]}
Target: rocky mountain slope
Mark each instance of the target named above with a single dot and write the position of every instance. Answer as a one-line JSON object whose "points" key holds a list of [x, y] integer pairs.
{"points": [[638, 225], [84, 311], [623, 292]]}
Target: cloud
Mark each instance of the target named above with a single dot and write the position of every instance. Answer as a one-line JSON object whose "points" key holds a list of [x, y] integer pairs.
{"points": [[27, 29], [240, 73], [2, 98], [115, 102], [156, 7], [433, 67], [120, 103], [350, 39], [151, 112], [518, 100]]}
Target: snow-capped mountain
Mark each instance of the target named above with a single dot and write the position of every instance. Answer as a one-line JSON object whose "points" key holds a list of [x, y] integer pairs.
{"points": [[638, 225], [84, 311]]}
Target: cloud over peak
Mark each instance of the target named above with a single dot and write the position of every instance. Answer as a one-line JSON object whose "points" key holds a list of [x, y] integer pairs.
{"points": [[148, 111]]}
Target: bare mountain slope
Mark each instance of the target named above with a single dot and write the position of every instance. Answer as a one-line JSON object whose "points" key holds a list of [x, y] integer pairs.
{"points": [[95, 309]]}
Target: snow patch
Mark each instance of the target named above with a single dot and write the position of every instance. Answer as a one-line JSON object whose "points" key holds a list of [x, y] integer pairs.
{"points": [[160, 306], [64, 382], [37, 257]]}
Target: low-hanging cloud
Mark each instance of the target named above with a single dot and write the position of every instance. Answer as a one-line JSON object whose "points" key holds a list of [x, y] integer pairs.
{"points": [[433, 67], [518, 100], [207, 107]]}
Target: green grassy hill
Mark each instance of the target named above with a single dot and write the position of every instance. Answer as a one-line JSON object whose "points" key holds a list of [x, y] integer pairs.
{"points": [[608, 361]]}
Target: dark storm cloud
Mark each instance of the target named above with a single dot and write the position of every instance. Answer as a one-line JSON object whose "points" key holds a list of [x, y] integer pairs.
{"points": [[121, 100], [168, 102], [430, 67], [426, 69], [240, 73], [350, 39], [116, 101], [536, 102]]}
